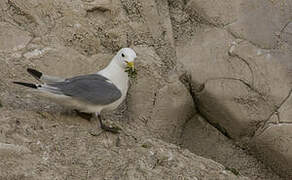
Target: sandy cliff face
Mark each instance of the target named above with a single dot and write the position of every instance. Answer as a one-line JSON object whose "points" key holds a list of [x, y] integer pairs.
{"points": [[240, 69], [226, 63]]}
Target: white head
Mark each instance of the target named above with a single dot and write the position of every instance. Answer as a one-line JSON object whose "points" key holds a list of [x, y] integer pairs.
{"points": [[125, 58]]}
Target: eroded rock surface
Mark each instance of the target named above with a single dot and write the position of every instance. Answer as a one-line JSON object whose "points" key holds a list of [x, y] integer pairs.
{"points": [[204, 140], [44, 145], [228, 61], [240, 71], [13, 38]]}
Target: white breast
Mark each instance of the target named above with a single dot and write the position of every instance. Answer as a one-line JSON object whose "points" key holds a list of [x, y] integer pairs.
{"points": [[119, 78]]}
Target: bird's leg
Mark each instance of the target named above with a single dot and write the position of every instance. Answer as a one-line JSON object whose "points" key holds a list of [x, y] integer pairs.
{"points": [[104, 127], [111, 129]]}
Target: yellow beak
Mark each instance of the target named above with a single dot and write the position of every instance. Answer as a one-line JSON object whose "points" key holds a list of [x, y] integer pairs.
{"points": [[130, 64]]}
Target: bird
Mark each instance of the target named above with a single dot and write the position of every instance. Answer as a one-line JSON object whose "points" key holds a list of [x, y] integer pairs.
{"points": [[89, 94]]}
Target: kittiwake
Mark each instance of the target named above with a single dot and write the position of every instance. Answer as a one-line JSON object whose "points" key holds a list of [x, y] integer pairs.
{"points": [[92, 93]]}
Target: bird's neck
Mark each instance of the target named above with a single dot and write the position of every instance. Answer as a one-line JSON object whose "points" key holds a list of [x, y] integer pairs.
{"points": [[117, 75]]}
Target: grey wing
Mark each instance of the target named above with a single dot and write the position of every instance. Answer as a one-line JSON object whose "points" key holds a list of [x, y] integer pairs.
{"points": [[92, 88]]}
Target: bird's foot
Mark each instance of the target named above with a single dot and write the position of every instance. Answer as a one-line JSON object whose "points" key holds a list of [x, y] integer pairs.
{"points": [[94, 132], [106, 127], [110, 128]]}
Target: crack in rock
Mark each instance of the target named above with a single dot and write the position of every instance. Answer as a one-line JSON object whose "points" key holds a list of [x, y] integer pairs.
{"points": [[249, 67], [284, 27], [217, 125], [271, 125], [284, 101], [233, 79], [186, 79], [266, 125]]}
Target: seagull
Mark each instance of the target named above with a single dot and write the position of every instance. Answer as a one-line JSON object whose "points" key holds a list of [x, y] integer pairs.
{"points": [[89, 94]]}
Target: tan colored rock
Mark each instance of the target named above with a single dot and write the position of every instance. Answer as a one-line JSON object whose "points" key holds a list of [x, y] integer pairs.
{"points": [[154, 16], [269, 68], [11, 149], [274, 147], [3, 7], [158, 19], [36, 16], [97, 5], [233, 106], [12, 38], [238, 98], [17, 161], [233, 81], [39, 17], [20, 167], [162, 105], [261, 21], [173, 106], [75, 32], [286, 34], [272, 143], [142, 91], [258, 21], [238, 86], [215, 12], [206, 57], [205, 140], [285, 112], [64, 62], [78, 37], [61, 147], [222, 83]]}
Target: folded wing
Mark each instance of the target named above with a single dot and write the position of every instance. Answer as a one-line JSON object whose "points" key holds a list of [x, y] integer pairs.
{"points": [[92, 88]]}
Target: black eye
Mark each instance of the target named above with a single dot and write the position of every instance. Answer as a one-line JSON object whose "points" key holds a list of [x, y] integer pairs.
{"points": [[123, 55]]}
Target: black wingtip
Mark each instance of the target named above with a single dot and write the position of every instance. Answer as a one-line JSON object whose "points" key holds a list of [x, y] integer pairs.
{"points": [[26, 84], [35, 73]]}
